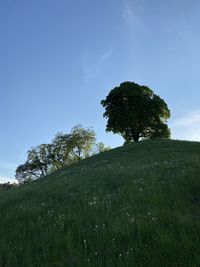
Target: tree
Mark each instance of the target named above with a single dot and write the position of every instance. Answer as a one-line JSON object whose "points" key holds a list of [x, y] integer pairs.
{"points": [[72, 147], [63, 150], [38, 164], [81, 142], [135, 112]]}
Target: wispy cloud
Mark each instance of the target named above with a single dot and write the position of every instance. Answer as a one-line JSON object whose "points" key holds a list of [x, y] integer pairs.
{"points": [[92, 67], [132, 11], [187, 127]]}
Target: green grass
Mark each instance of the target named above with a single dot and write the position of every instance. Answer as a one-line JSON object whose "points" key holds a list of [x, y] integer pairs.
{"points": [[137, 205]]}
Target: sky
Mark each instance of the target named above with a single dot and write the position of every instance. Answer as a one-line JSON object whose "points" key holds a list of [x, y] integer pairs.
{"points": [[60, 58]]}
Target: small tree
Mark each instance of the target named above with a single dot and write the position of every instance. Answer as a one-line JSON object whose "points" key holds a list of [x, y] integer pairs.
{"points": [[135, 112]]}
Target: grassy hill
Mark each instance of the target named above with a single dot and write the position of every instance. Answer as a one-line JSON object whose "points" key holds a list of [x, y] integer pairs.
{"points": [[137, 205]]}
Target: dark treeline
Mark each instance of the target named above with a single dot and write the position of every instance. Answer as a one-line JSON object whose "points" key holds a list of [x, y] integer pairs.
{"points": [[6, 186]]}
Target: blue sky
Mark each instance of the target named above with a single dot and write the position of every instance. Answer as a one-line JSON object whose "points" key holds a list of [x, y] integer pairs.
{"points": [[60, 58]]}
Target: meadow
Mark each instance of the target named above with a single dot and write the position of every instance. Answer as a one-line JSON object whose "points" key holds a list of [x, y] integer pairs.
{"points": [[136, 205]]}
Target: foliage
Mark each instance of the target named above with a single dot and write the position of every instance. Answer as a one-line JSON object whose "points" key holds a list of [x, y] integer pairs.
{"points": [[61, 150], [136, 112], [38, 164], [122, 208], [64, 149], [81, 142]]}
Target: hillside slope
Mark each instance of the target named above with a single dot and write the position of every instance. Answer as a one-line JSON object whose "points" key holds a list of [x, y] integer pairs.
{"points": [[137, 205]]}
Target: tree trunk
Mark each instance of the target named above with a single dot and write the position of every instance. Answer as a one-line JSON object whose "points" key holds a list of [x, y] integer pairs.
{"points": [[135, 136]]}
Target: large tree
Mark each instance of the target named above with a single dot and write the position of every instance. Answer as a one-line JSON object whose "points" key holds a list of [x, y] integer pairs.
{"points": [[135, 112]]}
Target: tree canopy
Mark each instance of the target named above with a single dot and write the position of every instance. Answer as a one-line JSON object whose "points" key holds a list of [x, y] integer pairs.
{"points": [[63, 150], [135, 112]]}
